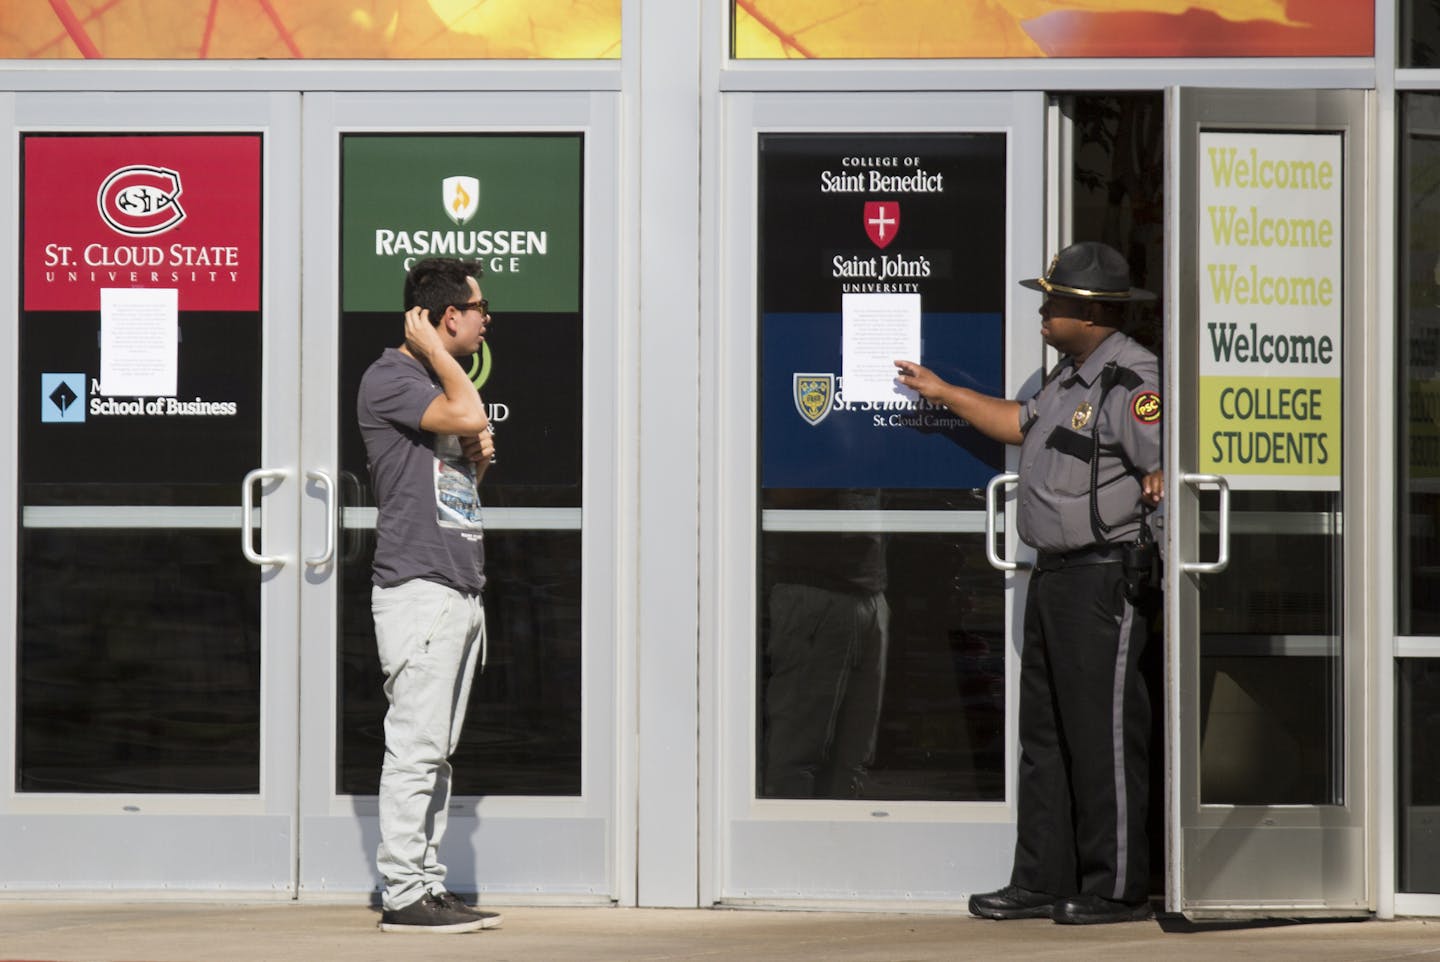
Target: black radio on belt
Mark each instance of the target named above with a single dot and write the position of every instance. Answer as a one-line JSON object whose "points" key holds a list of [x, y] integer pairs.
{"points": [[1140, 562]]}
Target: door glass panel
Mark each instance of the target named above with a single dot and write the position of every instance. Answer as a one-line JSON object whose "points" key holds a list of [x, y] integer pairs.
{"points": [[1418, 358], [1417, 717], [139, 662], [1419, 34], [1271, 671], [1269, 410], [921, 709], [1418, 478], [880, 648], [514, 203], [139, 624]]}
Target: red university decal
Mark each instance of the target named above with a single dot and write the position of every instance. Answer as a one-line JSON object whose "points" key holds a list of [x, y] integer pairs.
{"points": [[175, 211]]}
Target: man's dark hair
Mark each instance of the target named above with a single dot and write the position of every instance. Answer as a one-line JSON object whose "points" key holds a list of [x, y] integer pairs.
{"points": [[439, 282]]}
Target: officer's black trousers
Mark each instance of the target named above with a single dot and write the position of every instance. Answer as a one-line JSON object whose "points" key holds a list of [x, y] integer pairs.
{"points": [[1084, 738]]}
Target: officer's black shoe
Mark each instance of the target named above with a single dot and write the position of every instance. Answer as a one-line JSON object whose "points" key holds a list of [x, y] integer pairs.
{"points": [[1012, 902], [1097, 910]]}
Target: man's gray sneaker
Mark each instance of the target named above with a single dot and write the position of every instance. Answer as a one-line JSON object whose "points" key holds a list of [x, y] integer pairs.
{"points": [[430, 915], [489, 920]]}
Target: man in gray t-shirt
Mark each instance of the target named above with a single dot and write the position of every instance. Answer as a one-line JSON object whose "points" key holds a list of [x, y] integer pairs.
{"points": [[428, 443]]}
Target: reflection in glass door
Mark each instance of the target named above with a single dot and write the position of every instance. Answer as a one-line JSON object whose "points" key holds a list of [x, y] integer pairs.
{"points": [[1417, 678]]}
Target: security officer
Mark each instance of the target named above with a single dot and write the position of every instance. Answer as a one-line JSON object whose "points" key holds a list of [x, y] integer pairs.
{"points": [[1090, 444]]}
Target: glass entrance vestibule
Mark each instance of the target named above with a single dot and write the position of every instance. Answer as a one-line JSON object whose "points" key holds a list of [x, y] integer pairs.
{"points": [[190, 669]]}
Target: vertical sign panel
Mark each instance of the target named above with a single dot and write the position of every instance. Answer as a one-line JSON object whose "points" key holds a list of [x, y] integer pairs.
{"points": [[139, 654], [165, 230], [1271, 305], [849, 219], [515, 203]]}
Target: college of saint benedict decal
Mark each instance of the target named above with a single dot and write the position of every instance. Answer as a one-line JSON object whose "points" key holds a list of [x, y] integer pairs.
{"points": [[461, 196], [1146, 407], [1081, 417], [813, 394]]}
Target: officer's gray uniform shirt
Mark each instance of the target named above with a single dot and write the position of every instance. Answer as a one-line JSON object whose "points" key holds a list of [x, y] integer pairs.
{"points": [[1054, 491]]}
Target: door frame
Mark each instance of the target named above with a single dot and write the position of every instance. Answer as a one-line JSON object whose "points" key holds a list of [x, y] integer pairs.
{"points": [[1290, 836], [762, 871], [518, 842], [249, 840]]}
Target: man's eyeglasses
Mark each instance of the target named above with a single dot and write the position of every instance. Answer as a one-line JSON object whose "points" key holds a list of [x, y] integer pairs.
{"points": [[482, 305]]}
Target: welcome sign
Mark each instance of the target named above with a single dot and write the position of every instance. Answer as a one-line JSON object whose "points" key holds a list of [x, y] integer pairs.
{"points": [[1271, 258]]}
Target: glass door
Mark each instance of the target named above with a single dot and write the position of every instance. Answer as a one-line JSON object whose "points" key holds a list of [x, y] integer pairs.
{"points": [[150, 503], [520, 182], [1266, 654], [862, 648]]}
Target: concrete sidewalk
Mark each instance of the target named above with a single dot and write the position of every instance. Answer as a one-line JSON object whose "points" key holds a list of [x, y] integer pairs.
{"points": [[300, 932]]}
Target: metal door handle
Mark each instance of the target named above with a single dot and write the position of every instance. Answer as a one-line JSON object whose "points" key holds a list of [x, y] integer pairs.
{"points": [[247, 512], [991, 556], [1222, 560], [327, 485]]}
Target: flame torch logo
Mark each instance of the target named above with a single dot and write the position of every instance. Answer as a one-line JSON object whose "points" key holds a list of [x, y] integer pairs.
{"points": [[461, 196]]}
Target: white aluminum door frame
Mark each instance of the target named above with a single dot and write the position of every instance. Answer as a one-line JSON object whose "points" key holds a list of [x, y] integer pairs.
{"points": [[764, 851], [531, 849], [1290, 860], [149, 842]]}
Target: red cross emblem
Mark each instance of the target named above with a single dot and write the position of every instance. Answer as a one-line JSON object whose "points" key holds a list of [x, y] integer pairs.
{"points": [[882, 221]]}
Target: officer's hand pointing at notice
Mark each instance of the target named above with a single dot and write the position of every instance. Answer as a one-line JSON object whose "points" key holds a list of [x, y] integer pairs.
{"points": [[923, 381]]}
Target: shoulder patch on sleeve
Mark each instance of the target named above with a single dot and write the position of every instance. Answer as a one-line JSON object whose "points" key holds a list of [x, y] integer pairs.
{"points": [[1145, 406]]}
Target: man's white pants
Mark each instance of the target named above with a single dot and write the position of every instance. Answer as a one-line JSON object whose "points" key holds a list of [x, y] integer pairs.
{"points": [[429, 637]]}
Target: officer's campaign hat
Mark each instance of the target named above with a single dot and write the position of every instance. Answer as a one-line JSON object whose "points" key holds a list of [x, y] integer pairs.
{"points": [[1092, 271]]}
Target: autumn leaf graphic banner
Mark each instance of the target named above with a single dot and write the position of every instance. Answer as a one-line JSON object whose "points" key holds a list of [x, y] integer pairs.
{"points": [[311, 30], [921, 29]]}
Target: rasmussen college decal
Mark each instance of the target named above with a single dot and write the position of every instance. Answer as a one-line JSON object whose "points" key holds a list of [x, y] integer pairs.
{"points": [[510, 201]]}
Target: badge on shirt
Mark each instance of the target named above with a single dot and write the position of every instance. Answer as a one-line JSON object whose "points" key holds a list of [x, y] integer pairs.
{"points": [[1081, 417]]}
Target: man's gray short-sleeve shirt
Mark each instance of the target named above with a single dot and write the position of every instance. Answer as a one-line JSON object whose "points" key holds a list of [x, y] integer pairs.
{"points": [[428, 508]]}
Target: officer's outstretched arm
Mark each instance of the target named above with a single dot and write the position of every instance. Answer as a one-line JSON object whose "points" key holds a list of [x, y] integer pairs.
{"points": [[994, 417]]}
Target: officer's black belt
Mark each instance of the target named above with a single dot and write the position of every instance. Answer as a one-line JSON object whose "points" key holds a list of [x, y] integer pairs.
{"points": [[1097, 554]]}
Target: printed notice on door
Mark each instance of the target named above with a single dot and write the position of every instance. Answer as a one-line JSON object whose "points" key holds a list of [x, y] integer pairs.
{"points": [[139, 341], [877, 330], [1271, 261]]}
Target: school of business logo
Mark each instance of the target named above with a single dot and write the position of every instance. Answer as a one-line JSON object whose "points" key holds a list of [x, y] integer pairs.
{"points": [[62, 398], [882, 221], [140, 200], [813, 394], [1146, 407], [461, 196]]}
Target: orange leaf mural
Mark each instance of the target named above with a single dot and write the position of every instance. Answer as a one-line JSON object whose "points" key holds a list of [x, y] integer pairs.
{"points": [[913, 29], [311, 29]]}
